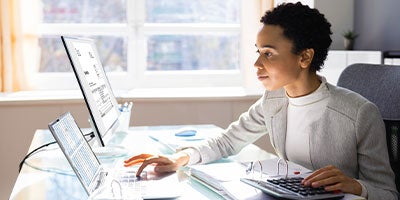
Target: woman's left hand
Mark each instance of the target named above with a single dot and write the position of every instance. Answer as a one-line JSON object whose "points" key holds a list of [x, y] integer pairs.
{"points": [[332, 179]]}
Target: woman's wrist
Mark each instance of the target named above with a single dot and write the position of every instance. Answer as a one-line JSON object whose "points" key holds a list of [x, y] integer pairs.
{"points": [[358, 189], [364, 192], [182, 158]]}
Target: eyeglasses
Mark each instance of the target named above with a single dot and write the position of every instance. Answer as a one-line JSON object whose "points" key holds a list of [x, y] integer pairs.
{"points": [[281, 166], [116, 186], [119, 189], [251, 168], [282, 163]]}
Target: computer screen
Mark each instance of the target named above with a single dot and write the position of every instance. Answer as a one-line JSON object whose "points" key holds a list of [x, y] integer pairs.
{"points": [[95, 87]]}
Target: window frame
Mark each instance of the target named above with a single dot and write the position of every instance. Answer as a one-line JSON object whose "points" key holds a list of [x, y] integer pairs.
{"points": [[135, 30]]}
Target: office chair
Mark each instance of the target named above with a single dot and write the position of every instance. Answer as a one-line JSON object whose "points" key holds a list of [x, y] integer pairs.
{"points": [[380, 84]]}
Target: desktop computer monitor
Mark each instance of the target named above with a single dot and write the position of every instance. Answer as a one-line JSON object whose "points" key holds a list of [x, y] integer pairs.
{"points": [[95, 87]]}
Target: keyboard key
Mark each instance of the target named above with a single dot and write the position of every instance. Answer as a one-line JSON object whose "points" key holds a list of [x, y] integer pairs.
{"points": [[294, 185]]}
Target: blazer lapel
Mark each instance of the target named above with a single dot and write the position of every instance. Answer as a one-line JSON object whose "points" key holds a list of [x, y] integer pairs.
{"points": [[276, 111], [278, 127]]}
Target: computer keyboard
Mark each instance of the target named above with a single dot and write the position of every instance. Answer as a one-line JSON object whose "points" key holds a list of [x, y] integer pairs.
{"points": [[128, 178], [291, 188]]}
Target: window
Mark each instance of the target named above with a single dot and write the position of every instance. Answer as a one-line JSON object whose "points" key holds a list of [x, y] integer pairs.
{"points": [[145, 43], [304, 2]]}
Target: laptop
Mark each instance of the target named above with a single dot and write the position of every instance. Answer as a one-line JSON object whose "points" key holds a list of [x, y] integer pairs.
{"points": [[101, 182]]}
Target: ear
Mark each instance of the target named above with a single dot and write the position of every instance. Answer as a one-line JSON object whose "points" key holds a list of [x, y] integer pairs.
{"points": [[306, 57]]}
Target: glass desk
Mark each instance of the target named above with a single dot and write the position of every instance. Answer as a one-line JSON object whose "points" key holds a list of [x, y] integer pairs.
{"points": [[47, 174]]}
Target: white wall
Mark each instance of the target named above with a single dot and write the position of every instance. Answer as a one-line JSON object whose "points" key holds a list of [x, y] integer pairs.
{"points": [[337, 61], [377, 23], [340, 13]]}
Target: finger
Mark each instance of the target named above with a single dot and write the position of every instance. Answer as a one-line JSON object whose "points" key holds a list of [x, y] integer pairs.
{"points": [[157, 160], [133, 162], [327, 181], [335, 187], [322, 175], [165, 168], [347, 185], [141, 168], [140, 156], [138, 160], [317, 172], [309, 178]]}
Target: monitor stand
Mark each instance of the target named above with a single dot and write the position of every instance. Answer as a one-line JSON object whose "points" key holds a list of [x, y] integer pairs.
{"points": [[111, 149]]}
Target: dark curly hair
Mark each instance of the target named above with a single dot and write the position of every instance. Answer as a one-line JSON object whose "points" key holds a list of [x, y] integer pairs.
{"points": [[307, 28]]}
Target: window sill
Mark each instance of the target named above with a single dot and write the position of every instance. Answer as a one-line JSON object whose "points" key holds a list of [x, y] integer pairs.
{"points": [[154, 94]]}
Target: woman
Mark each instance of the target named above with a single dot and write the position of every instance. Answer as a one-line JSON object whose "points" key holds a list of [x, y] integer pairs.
{"points": [[331, 130]]}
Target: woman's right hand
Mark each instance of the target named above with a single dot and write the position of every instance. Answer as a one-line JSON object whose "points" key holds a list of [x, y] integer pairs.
{"points": [[162, 163]]}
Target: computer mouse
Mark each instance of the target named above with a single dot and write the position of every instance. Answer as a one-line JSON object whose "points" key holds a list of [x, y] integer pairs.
{"points": [[186, 133]]}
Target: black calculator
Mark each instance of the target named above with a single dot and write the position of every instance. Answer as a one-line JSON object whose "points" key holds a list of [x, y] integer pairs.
{"points": [[291, 188]]}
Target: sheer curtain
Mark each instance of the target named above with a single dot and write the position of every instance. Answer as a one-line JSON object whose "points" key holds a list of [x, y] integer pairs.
{"points": [[266, 5], [12, 73]]}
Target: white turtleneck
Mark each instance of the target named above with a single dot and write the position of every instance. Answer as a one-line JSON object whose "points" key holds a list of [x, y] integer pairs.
{"points": [[301, 113]]}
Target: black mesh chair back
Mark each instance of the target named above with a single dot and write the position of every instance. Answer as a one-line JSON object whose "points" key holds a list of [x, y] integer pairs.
{"points": [[381, 85], [393, 140]]}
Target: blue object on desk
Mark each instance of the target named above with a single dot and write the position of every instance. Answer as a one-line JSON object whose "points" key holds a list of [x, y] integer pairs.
{"points": [[186, 133]]}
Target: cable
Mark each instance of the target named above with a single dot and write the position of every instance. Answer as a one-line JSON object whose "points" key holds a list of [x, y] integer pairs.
{"points": [[91, 134]]}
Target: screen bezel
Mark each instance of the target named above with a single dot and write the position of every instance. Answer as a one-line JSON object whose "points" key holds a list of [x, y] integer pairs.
{"points": [[99, 128], [68, 119]]}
